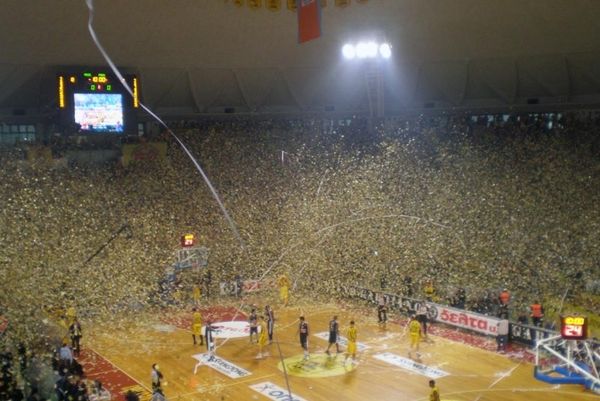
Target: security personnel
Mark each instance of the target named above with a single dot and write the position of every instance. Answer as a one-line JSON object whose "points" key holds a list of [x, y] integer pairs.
{"points": [[537, 313], [504, 297]]}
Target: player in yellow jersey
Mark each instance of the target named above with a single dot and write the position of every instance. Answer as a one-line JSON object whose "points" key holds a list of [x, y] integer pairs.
{"points": [[414, 329], [70, 316], [351, 335], [263, 338], [284, 289], [197, 326], [434, 395], [196, 295]]}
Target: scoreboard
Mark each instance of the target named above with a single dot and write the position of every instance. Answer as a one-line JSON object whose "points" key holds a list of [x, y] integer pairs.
{"points": [[96, 102], [573, 327], [188, 240]]}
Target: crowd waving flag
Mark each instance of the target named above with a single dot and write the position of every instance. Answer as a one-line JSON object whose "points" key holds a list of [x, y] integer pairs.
{"points": [[309, 20]]}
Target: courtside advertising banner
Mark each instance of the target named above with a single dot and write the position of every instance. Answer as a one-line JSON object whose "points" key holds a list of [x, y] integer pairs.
{"points": [[463, 319], [309, 20]]}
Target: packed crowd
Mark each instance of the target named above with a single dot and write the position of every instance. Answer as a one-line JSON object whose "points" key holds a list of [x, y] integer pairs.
{"points": [[468, 204]]}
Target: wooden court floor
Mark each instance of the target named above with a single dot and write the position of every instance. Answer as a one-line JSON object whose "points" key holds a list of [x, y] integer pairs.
{"points": [[472, 374]]}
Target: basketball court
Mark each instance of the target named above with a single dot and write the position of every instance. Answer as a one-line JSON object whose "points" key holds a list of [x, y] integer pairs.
{"points": [[464, 366]]}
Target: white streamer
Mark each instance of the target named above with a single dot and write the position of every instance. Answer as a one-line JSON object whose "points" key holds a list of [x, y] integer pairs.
{"points": [[90, 5]]}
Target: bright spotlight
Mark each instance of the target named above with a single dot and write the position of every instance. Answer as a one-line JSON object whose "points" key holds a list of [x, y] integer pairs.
{"points": [[385, 50], [367, 50], [371, 49], [362, 50], [348, 51]]}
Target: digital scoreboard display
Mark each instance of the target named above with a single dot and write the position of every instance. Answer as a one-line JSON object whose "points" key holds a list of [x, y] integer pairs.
{"points": [[573, 327], [188, 240], [96, 102]]}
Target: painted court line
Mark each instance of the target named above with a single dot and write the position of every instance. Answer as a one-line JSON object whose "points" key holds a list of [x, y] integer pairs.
{"points": [[274, 392]]}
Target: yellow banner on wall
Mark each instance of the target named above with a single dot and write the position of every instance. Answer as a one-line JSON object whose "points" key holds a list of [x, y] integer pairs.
{"points": [[342, 3], [238, 3], [291, 5], [140, 152], [255, 4], [273, 5]]}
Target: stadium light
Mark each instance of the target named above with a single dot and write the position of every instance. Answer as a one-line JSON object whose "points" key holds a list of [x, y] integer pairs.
{"points": [[385, 50], [367, 50], [349, 51]]}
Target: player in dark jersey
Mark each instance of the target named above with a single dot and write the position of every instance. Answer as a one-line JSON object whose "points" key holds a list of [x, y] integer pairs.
{"points": [[208, 336], [382, 310], [303, 332], [253, 321], [333, 335], [270, 315]]}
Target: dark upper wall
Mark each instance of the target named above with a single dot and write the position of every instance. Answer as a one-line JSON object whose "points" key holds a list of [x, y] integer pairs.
{"points": [[200, 54]]}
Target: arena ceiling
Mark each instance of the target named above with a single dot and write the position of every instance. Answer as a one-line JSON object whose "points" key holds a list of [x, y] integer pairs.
{"points": [[202, 56]]}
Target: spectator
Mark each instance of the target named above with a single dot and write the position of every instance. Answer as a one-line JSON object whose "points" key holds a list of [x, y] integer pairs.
{"points": [[502, 335], [65, 356], [537, 313]]}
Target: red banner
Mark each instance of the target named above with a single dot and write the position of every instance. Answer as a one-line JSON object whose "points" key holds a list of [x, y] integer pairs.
{"points": [[309, 20]]}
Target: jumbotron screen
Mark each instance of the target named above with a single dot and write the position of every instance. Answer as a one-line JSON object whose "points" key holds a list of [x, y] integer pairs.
{"points": [[94, 101], [99, 112]]}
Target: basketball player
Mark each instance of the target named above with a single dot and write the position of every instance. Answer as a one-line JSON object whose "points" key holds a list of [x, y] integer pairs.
{"points": [[421, 316], [333, 335], [197, 326], [208, 335], [196, 294], [270, 322], [253, 321], [262, 339], [303, 332], [414, 329], [284, 289], [382, 310], [434, 395], [351, 350]]}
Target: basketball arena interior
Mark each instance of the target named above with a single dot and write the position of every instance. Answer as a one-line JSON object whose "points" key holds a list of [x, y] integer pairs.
{"points": [[308, 200]]}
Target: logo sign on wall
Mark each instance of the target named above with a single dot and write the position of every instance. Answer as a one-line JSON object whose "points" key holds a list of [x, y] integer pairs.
{"points": [[274, 392], [464, 319]]}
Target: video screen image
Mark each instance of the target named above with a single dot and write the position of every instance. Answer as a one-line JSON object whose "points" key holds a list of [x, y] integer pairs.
{"points": [[99, 112]]}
